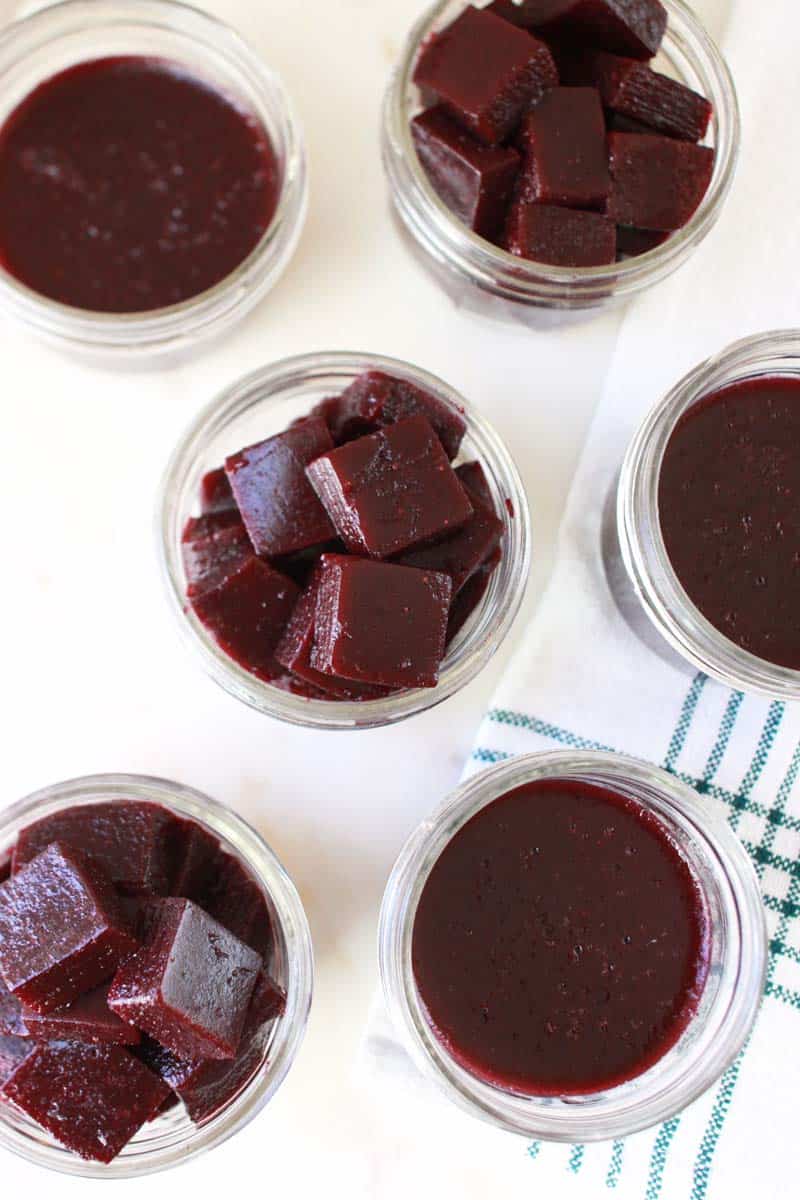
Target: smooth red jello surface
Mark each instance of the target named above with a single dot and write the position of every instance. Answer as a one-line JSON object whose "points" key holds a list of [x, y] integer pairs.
{"points": [[127, 185], [728, 507], [560, 945]]}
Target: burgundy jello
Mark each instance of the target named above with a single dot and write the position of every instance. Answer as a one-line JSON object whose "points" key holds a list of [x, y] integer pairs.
{"points": [[563, 140], [656, 182], [633, 27], [729, 514], [127, 185], [560, 944]]}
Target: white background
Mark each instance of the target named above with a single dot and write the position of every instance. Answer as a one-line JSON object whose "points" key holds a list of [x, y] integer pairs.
{"points": [[95, 678]]}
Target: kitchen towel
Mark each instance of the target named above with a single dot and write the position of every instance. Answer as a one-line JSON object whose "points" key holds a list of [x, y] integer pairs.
{"points": [[583, 679]]}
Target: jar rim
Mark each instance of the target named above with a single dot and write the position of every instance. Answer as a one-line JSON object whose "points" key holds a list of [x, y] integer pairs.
{"points": [[714, 1037], [167, 329], [27, 1140], [468, 656], [448, 241], [644, 554]]}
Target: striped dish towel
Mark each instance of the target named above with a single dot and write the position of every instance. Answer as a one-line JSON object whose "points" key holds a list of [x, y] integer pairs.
{"points": [[582, 679]]}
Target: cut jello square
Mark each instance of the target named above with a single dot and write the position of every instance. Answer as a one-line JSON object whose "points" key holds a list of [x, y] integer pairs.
{"points": [[232, 897], [295, 647], [473, 180], [195, 853], [197, 528], [208, 562], [190, 985], [486, 72], [562, 237], [92, 1099], [470, 596], [632, 242], [381, 623], [248, 613], [215, 493], [62, 931], [563, 140], [279, 508], [87, 1019], [129, 840], [656, 182], [632, 27], [473, 477], [633, 90], [462, 553], [391, 490], [375, 399]]}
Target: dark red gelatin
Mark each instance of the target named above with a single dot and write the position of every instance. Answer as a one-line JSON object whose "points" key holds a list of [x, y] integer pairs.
{"points": [[633, 90], [92, 1099], [195, 852], [129, 840], [466, 603], [190, 984], [632, 242], [632, 27], [208, 524], [248, 613], [486, 73], [560, 237], [380, 623], [462, 553], [560, 945], [565, 160], [656, 182], [375, 400], [127, 185], [215, 493], [62, 930], [277, 503], [209, 562], [5, 865], [473, 477], [473, 180], [12, 1020], [391, 490], [87, 1019], [729, 513], [232, 897], [12, 1052]]}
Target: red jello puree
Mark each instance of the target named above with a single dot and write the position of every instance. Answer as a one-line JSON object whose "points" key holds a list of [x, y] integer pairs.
{"points": [[560, 945], [127, 185], [729, 508]]}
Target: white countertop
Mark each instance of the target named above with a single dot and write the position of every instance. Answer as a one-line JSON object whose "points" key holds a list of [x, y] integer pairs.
{"points": [[96, 678]]}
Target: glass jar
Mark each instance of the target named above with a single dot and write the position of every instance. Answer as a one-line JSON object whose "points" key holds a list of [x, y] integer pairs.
{"points": [[486, 279], [263, 404], [49, 41], [172, 1138], [652, 595], [737, 962]]}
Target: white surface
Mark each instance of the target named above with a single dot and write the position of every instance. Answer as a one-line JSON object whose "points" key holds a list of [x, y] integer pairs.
{"points": [[95, 678]]}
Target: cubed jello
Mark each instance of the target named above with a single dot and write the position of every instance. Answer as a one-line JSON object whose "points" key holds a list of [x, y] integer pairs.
{"points": [[474, 181], [563, 142], [190, 985], [232, 897], [375, 400], [381, 623], [561, 237], [657, 183], [92, 1099], [210, 561], [130, 841], [486, 72], [87, 1019], [462, 553], [391, 490], [279, 508], [215, 492], [632, 27], [62, 930]]}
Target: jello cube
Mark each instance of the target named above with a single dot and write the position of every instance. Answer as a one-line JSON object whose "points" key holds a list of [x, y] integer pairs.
{"points": [[197, 528], [632, 242], [87, 1019], [92, 1099], [12, 1052], [656, 182], [130, 841], [561, 237], [248, 613], [195, 852], [208, 562], [632, 27], [392, 490], [470, 596], [461, 554], [473, 477], [215, 493], [486, 73], [509, 11], [375, 399], [381, 623], [294, 650], [62, 931], [231, 896], [563, 140], [633, 90], [473, 180], [190, 985], [268, 480]]}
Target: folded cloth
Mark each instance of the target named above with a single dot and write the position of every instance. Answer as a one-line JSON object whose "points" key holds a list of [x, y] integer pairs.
{"points": [[583, 679]]}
